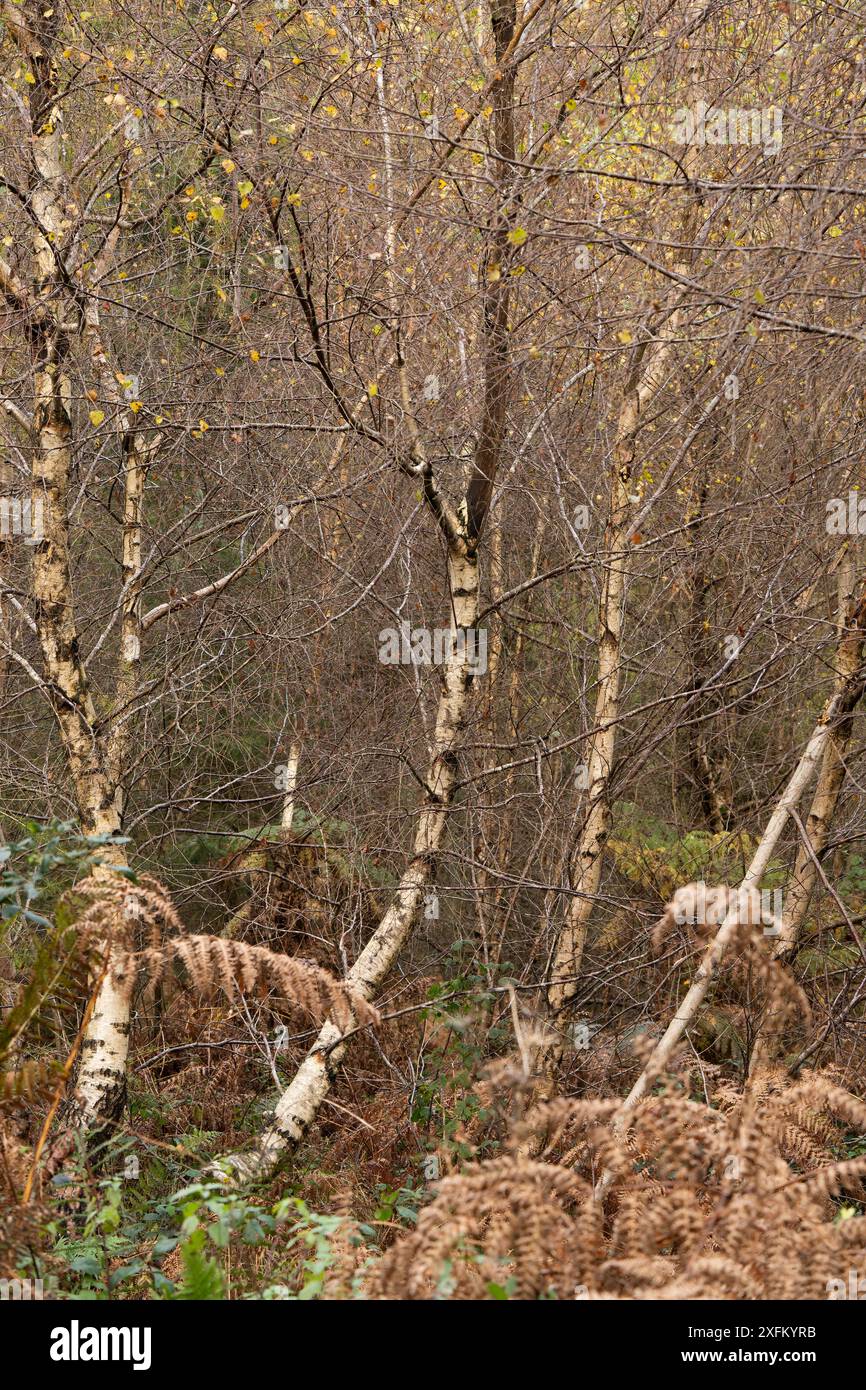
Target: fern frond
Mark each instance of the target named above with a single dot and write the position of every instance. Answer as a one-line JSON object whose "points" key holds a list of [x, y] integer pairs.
{"points": [[30, 1082], [210, 963]]}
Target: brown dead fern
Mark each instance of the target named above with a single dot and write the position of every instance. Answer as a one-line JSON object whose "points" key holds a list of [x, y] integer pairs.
{"points": [[209, 963], [729, 1200], [148, 945]]}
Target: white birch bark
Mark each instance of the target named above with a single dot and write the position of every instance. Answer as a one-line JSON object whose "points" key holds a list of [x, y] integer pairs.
{"points": [[300, 1103], [847, 691], [105, 1046], [588, 860], [648, 376], [715, 953]]}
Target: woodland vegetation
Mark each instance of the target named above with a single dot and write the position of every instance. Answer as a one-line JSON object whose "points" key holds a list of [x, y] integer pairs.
{"points": [[432, 623]]}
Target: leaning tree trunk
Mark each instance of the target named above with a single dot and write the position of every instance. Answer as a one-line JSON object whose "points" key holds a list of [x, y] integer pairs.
{"points": [[461, 529], [300, 1103], [718, 947], [649, 373], [586, 877], [848, 690]]}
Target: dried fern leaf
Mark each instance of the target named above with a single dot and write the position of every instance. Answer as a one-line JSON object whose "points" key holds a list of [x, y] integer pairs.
{"points": [[211, 963]]}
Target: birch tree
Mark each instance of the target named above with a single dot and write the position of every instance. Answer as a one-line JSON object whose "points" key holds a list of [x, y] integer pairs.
{"points": [[461, 530], [72, 250]]}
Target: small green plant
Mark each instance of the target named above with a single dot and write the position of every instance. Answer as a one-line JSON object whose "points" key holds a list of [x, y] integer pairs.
{"points": [[35, 872]]}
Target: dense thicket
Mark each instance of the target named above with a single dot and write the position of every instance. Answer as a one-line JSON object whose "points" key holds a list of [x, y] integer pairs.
{"points": [[430, 477]]}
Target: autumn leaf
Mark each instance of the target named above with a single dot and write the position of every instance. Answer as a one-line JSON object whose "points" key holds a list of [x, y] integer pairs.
{"points": [[97, 417]]}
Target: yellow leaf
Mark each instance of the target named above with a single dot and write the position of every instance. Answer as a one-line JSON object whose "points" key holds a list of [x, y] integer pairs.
{"points": [[624, 336], [97, 417], [372, 389], [835, 231], [221, 54], [217, 213], [228, 165]]}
